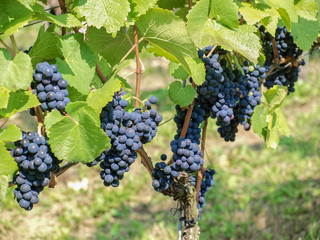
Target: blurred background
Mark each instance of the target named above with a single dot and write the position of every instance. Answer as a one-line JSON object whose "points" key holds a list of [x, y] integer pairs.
{"points": [[259, 193]]}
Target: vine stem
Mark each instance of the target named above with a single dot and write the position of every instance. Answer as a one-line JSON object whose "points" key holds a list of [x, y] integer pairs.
{"points": [[138, 70], [39, 117], [72, 119], [63, 8], [200, 172], [190, 4], [211, 51], [146, 160], [7, 47], [102, 77], [275, 50], [65, 167], [14, 44]]}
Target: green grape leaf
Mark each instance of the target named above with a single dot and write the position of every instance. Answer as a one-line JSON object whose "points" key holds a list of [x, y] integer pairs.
{"points": [[167, 32], [105, 44], [271, 22], [177, 71], [282, 123], [19, 101], [259, 120], [272, 138], [51, 118], [78, 138], [63, 20], [11, 134], [305, 32], [3, 189], [182, 96], [7, 164], [110, 14], [204, 30], [17, 73], [169, 4], [252, 15], [226, 12], [140, 7], [4, 97], [98, 98], [307, 9], [79, 63], [275, 96], [13, 15], [287, 6], [45, 47]]}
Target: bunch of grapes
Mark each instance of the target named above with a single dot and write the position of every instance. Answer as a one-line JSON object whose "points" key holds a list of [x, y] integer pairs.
{"points": [[288, 72], [206, 184], [163, 175], [249, 92], [50, 87], [218, 93], [36, 162], [127, 131]]}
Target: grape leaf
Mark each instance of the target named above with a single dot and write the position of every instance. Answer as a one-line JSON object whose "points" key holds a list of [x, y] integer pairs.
{"points": [[105, 44], [286, 5], [177, 71], [4, 97], [10, 134], [79, 139], [45, 47], [19, 101], [13, 15], [17, 73], [252, 15], [226, 12], [7, 164], [98, 98], [79, 63], [182, 96], [259, 120], [169, 4], [203, 30], [110, 14], [271, 22], [63, 20], [168, 33], [275, 96], [3, 188], [282, 123], [51, 118], [307, 9], [140, 7], [305, 32]]}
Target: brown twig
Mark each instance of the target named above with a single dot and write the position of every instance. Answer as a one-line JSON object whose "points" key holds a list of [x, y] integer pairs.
{"points": [[63, 8], [65, 167], [7, 47], [190, 4], [102, 77], [146, 160], [275, 50], [138, 70], [39, 117], [200, 172]]}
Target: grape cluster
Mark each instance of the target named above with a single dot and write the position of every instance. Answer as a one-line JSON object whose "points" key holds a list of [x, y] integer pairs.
{"points": [[187, 156], [127, 131], [288, 71], [206, 184], [218, 93], [50, 87], [35, 161], [163, 175], [229, 96], [249, 92]]}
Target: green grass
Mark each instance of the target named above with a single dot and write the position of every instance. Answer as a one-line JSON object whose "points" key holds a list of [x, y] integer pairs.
{"points": [[259, 193]]}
